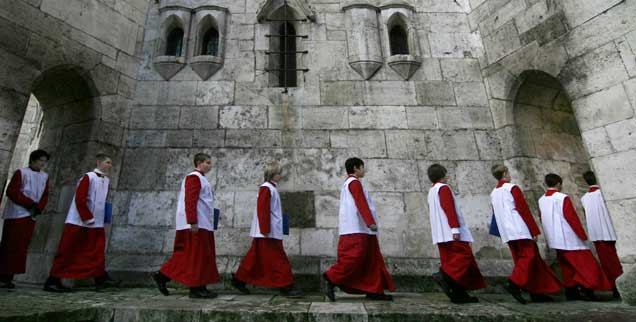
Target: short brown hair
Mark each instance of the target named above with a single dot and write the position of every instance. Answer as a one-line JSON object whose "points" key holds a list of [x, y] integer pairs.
{"points": [[201, 157], [272, 169], [498, 171], [436, 172], [102, 156]]}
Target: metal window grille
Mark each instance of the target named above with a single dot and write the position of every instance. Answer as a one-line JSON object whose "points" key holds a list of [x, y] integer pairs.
{"points": [[284, 50]]}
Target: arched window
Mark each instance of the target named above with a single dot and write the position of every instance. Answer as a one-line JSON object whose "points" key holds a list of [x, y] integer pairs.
{"points": [[398, 40], [174, 42], [210, 44], [287, 62]]}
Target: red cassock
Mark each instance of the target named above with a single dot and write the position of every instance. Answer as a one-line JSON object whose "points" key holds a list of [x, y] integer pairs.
{"points": [[459, 263], [611, 264], [456, 257], [580, 267], [17, 233], [266, 263], [360, 266], [531, 273], [80, 253], [16, 236], [193, 261]]}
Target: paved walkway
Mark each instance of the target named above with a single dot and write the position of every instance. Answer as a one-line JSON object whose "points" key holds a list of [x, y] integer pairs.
{"points": [[147, 305]]}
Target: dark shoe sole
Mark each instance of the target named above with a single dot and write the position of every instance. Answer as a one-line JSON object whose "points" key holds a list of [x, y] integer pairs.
{"points": [[330, 292], [515, 292], [439, 280], [55, 289], [240, 286], [160, 285]]}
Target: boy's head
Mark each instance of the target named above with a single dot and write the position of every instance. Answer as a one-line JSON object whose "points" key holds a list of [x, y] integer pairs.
{"points": [[436, 172], [590, 178], [203, 162], [38, 159], [104, 162], [273, 172], [553, 181], [355, 166], [500, 172]]}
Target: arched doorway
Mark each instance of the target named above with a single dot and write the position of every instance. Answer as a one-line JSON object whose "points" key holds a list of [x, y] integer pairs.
{"points": [[63, 118], [546, 138]]}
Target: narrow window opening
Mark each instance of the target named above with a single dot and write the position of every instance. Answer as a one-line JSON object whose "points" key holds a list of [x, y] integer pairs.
{"points": [[210, 45], [398, 41], [174, 42], [287, 60]]}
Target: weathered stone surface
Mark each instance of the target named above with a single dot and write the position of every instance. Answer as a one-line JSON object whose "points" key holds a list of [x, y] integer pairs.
{"points": [[325, 117], [406, 144], [602, 108], [237, 117], [435, 93], [300, 207], [363, 143], [377, 117], [464, 117], [152, 208], [501, 42], [616, 187]]}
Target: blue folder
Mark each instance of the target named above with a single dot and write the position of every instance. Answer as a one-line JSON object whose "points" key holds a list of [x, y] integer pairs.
{"points": [[285, 224], [108, 213], [494, 230], [217, 215]]}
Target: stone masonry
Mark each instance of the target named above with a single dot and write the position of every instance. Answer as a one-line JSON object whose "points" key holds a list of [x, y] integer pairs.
{"points": [[541, 85]]}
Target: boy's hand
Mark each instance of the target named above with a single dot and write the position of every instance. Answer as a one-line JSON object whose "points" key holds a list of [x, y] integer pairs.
{"points": [[456, 237], [194, 228], [535, 238], [373, 227]]}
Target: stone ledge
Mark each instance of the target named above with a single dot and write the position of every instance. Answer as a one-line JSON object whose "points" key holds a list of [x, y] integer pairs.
{"points": [[136, 305]]}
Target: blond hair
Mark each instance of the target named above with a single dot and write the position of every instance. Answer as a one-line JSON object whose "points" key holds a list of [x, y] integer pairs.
{"points": [[498, 171], [272, 169]]}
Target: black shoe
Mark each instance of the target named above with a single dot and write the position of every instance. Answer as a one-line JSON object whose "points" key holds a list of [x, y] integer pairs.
{"points": [[160, 280], [465, 299], [379, 297], [55, 285], [588, 294], [106, 282], [572, 294], [515, 291], [441, 282], [616, 294], [239, 285], [329, 288], [8, 285], [201, 293], [541, 298], [291, 292]]}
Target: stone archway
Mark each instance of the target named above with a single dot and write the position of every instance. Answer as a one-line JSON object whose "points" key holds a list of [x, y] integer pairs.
{"points": [[544, 137], [69, 127]]}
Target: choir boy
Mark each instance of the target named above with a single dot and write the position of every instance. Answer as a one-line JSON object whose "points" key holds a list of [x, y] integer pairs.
{"points": [[459, 271], [360, 267]]}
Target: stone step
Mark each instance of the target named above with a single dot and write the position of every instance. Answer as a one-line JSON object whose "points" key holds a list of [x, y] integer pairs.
{"points": [[147, 305]]}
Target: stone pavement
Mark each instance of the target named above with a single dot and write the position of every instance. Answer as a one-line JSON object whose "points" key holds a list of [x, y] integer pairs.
{"points": [[147, 305]]}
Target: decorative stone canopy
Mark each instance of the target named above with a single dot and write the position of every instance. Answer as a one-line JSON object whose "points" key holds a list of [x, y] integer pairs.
{"points": [[271, 6]]}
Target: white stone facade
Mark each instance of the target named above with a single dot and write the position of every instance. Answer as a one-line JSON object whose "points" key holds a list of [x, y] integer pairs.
{"points": [[469, 100]]}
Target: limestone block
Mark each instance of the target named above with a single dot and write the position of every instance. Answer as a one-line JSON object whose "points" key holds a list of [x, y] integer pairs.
{"points": [[299, 205], [464, 117], [318, 242], [455, 45], [409, 144], [450, 22], [622, 212], [421, 117], [580, 11], [627, 54], [622, 134], [602, 108], [377, 117], [199, 117], [389, 207], [325, 117], [630, 89], [435, 93], [532, 16], [452, 145], [626, 287], [155, 117], [208, 138], [390, 175], [616, 186], [224, 201], [234, 240], [459, 6], [503, 15], [461, 70], [320, 169], [342, 93], [390, 93], [593, 71], [305, 139], [548, 30], [244, 207], [239, 117], [156, 208], [501, 42], [416, 210], [474, 178], [240, 169], [285, 116], [417, 243], [488, 145], [215, 93], [597, 142], [327, 207], [138, 174], [127, 239], [246, 138], [363, 143]]}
